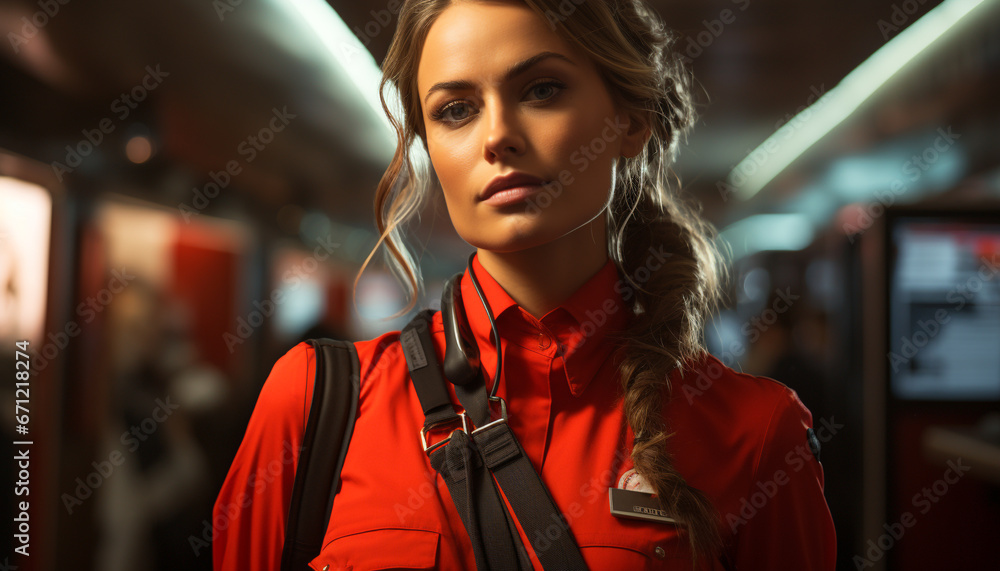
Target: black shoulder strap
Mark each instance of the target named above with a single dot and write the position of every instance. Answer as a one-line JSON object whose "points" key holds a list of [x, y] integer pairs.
{"points": [[328, 430], [499, 459], [491, 530]]}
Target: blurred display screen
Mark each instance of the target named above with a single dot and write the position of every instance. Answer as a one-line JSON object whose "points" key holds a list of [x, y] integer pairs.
{"points": [[944, 308], [25, 224]]}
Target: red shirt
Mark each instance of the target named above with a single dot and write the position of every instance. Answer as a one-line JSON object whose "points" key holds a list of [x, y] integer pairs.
{"points": [[739, 438]]}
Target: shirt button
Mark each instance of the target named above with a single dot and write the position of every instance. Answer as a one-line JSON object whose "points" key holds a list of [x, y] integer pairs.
{"points": [[660, 552], [544, 341]]}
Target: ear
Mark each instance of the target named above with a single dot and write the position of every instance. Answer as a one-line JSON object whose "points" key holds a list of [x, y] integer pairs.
{"points": [[634, 136]]}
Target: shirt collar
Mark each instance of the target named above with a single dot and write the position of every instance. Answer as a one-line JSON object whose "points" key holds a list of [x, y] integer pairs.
{"points": [[580, 326]]}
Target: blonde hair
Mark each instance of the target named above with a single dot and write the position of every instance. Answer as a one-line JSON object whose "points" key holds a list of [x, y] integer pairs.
{"points": [[629, 44]]}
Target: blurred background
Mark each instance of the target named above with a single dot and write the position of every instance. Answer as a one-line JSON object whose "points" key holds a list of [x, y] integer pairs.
{"points": [[186, 192]]}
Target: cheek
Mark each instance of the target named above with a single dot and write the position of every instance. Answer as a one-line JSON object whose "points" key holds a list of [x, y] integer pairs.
{"points": [[582, 144], [452, 165], [585, 156]]}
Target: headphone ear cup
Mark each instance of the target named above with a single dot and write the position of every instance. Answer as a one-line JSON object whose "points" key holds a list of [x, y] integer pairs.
{"points": [[461, 354]]}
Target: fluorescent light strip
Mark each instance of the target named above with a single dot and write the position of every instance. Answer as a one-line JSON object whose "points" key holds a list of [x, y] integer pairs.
{"points": [[760, 232], [843, 100], [351, 54]]}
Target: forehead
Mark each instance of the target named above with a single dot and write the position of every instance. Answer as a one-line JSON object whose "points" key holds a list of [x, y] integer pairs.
{"points": [[479, 40]]}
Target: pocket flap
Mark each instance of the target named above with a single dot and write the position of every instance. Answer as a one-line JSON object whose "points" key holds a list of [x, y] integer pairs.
{"points": [[386, 548]]}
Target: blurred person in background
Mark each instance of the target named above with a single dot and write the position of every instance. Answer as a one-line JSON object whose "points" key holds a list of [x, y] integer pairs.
{"points": [[160, 387], [793, 349]]}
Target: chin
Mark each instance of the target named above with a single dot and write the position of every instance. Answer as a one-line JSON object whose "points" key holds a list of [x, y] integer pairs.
{"points": [[501, 245], [510, 238], [504, 240]]}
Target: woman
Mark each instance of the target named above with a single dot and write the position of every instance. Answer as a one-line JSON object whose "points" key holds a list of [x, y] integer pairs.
{"points": [[599, 280]]}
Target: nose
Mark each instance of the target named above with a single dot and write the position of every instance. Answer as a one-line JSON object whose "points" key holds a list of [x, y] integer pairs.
{"points": [[504, 136]]}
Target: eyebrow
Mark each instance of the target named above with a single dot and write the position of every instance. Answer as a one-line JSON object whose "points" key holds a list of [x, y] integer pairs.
{"points": [[512, 71]]}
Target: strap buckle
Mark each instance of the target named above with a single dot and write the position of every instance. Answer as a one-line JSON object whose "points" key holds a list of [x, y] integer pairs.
{"points": [[465, 426], [425, 429], [502, 419]]}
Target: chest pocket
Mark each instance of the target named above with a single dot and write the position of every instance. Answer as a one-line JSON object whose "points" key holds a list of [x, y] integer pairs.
{"points": [[635, 552], [380, 549]]}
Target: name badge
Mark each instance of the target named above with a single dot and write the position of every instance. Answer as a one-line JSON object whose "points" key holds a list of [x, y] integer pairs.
{"points": [[636, 505]]}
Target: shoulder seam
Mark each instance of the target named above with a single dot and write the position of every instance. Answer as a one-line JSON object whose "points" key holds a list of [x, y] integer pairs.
{"points": [[749, 375]]}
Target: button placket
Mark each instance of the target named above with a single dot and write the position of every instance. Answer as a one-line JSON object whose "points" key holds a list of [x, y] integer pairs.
{"points": [[544, 341]]}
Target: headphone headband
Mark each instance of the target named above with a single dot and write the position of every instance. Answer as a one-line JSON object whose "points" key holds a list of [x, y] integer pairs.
{"points": [[461, 356]]}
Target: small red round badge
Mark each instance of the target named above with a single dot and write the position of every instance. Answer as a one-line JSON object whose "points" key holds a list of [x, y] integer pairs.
{"points": [[631, 480]]}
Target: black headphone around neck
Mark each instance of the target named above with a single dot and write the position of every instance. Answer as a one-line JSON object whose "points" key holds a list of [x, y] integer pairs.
{"points": [[461, 357]]}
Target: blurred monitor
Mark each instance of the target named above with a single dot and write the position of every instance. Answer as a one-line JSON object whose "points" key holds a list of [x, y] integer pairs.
{"points": [[25, 226], [944, 305]]}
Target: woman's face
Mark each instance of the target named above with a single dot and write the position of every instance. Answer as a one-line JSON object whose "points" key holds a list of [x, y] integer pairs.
{"points": [[554, 120]]}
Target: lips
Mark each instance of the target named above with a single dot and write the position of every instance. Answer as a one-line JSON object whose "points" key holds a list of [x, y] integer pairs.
{"points": [[510, 180]]}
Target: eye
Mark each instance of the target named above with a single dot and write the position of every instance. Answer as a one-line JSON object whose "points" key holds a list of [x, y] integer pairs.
{"points": [[557, 86], [548, 90], [440, 112]]}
